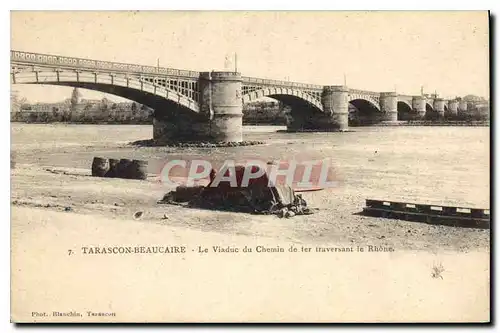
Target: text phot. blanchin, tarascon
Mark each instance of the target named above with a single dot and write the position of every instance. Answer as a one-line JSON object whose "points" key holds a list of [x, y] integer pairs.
{"points": [[72, 314]]}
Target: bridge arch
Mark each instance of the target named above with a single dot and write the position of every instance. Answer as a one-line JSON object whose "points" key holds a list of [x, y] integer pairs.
{"points": [[405, 111], [133, 88], [363, 111], [375, 101], [291, 97], [430, 113]]}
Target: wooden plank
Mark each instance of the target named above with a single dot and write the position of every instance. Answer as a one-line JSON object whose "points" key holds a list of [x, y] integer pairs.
{"points": [[374, 203], [433, 205], [429, 218], [478, 213], [426, 209], [398, 206], [434, 214], [450, 211]]}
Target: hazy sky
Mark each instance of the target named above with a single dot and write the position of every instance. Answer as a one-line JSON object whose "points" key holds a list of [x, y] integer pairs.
{"points": [[379, 51]]}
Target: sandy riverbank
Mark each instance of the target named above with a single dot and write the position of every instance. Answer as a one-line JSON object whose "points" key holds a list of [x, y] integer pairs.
{"points": [[330, 287]]}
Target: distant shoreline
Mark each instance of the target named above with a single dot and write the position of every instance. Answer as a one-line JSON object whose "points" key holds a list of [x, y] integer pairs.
{"points": [[401, 123], [474, 123]]}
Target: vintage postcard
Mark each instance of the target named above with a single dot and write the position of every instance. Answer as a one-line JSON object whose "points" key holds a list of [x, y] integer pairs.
{"points": [[250, 166]]}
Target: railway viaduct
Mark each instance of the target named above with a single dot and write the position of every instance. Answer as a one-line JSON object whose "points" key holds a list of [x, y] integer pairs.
{"points": [[208, 106]]}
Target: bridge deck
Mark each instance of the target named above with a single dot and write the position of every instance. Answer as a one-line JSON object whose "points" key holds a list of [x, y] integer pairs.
{"points": [[49, 60], [62, 62]]}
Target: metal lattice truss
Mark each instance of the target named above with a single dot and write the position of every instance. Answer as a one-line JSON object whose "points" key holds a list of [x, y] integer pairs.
{"points": [[180, 86], [372, 97], [177, 85], [254, 88]]}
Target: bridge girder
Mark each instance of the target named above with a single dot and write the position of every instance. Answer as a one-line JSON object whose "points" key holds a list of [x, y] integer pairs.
{"points": [[366, 98], [130, 87], [405, 102], [286, 93]]}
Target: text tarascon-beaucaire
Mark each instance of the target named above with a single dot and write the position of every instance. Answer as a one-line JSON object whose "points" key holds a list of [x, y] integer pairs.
{"points": [[133, 249]]}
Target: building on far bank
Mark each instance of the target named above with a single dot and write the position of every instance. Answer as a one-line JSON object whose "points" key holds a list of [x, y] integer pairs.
{"points": [[78, 110]]}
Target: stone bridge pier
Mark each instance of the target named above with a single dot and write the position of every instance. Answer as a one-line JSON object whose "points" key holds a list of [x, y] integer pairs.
{"points": [[418, 105], [174, 124], [333, 117], [462, 109], [452, 109], [389, 106], [335, 100], [220, 117], [439, 107]]}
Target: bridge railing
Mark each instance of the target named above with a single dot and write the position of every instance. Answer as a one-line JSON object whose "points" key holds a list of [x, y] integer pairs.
{"points": [[257, 81], [70, 62], [76, 63], [364, 92]]}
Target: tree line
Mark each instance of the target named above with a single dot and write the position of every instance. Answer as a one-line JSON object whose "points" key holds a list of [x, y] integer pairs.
{"points": [[77, 110], [89, 113]]}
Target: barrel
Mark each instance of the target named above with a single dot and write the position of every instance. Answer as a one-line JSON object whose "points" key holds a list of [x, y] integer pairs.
{"points": [[122, 168], [138, 169], [112, 172], [99, 166]]}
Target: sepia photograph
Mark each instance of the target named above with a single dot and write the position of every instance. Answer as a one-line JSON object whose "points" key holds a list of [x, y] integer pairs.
{"points": [[250, 166]]}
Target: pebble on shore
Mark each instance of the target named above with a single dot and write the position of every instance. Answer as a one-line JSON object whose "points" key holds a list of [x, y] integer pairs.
{"points": [[152, 143]]}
